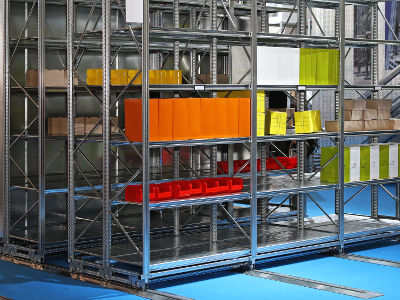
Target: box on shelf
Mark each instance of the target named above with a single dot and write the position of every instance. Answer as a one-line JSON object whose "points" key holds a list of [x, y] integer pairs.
{"points": [[388, 161], [194, 122], [275, 122], [90, 122], [52, 78], [261, 124], [379, 103], [133, 120], [307, 121], [378, 125], [232, 128], [244, 117], [290, 115], [59, 126], [383, 114], [134, 77], [330, 172], [354, 115], [374, 161], [119, 77], [349, 126], [94, 76], [365, 164], [370, 114], [206, 79], [221, 117], [394, 124], [260, 101], [180, 120], [359, 163], [355, 105], [165, 121]]}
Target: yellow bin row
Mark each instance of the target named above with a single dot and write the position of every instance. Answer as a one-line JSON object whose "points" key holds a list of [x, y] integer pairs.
{"points": [[124, 77]]}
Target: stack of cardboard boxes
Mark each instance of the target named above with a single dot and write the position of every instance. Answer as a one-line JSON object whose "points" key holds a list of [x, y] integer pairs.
{"points": [[360, 115]]}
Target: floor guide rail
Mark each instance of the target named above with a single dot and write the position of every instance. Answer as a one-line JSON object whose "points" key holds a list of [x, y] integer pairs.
{"points": [[371, 260], [314, 284]]}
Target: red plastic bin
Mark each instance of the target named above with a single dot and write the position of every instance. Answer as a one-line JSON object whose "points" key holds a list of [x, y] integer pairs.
{"points": [[291, 162], [235, 185], [164, 191], [222, 167], [211, 187], [134, 193], [197, 187], [224, 184], [182, 189]]}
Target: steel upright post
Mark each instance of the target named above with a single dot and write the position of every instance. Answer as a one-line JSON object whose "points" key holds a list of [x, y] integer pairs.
{"points": [[106, 17], [146, 147], [301, 99], [342, 44], [253, 146], [176, 25], [42, 125], [374, 81], [337, 103], [71, 130], [4, 116]]}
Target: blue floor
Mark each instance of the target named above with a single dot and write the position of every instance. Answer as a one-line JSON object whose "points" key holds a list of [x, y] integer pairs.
{"points": [[18, 282]]}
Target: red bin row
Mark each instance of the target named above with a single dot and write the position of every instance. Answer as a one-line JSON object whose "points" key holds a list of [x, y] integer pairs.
{"points": [[185, 189], [287, 162]]}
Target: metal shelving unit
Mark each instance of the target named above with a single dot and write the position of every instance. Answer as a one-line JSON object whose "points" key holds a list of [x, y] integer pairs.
{"points": [[79, 206]]}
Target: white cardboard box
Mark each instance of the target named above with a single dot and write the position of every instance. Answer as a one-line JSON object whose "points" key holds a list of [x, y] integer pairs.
{"points": [[272, 69], [374, 160], [134, 11], [355, 163], [393, 160]]}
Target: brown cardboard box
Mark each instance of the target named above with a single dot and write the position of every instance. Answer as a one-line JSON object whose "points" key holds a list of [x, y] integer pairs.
{"points": [[383, 114], [395, 124], [290, 115], [333, 126], [353, 115], [370, 114], [91, 121], [378, 125], [354, 104], [206, 79], [53, 78], [59, 126], [379, 103]]}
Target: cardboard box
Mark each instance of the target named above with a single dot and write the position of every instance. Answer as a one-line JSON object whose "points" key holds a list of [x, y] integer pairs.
{"points": [[260, 101], [349, 126], [232, 107], [355, 104], [244, 117], [261, 124], [94, 76], [330, 172], [365, 163], [119, 77], [275, 122], [132, 77], [379, 103], [180, 120], [374, 161], [370, 114], [59, 126], [221, 117], [90, 122], [290, 115], [353, 115], [53, 78], [383, 114], [208, 116], [307, 121], [378, 125], [388, 161], [133, 120], [394, 124], [194, 123], [165, 113], [206, 79]]}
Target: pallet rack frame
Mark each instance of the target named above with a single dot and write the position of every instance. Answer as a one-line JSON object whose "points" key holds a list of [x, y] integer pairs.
{"points": [[248, 257]]}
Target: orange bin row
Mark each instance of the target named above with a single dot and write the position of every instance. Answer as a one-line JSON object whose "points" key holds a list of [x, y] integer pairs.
{"points": [[189, 118]]}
